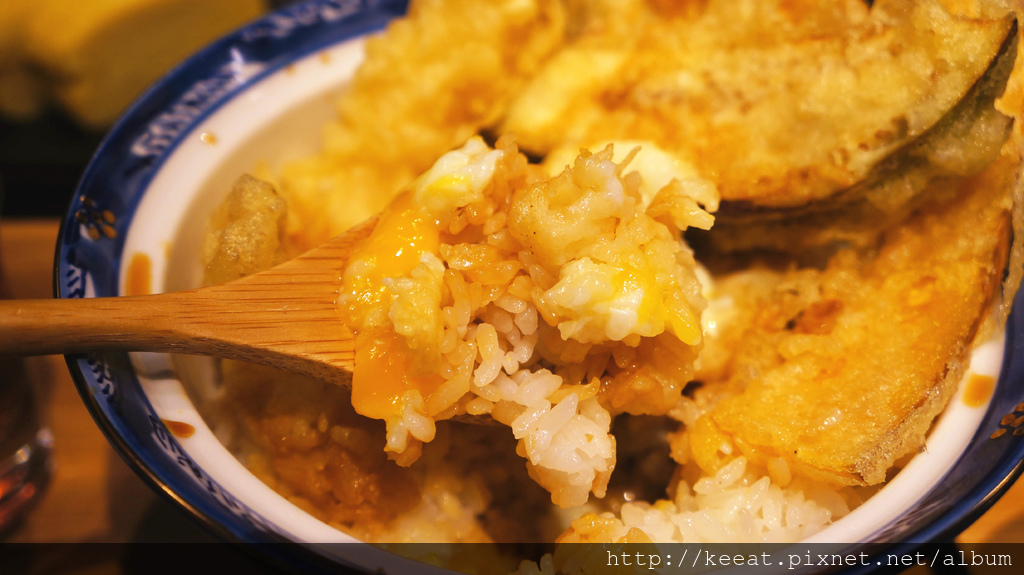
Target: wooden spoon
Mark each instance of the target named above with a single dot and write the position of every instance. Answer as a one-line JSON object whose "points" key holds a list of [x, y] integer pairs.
{"points": [[286, 317]]}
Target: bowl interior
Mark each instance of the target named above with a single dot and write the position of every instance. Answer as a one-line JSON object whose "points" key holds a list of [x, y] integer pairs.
{"points": [[276, 120]]}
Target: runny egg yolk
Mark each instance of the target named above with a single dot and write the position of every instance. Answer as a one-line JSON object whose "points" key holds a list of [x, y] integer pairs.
{"points": [[384, 364], [384, 373], [403, 234], [653, 307], [386, 368]]}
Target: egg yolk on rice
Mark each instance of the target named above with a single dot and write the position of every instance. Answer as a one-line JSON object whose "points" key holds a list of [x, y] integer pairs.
{"points": [[488, 288]]}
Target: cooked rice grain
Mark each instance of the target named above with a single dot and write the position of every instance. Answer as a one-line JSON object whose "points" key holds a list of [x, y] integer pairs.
{"points": [[515, 323]]}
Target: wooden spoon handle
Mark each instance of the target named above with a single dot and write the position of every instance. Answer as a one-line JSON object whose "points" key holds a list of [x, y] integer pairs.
{"points": [[138, 323], [286, 317], [231, 321]]}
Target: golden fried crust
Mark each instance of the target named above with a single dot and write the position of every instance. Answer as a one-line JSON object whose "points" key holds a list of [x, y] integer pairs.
{"points": [[778, 112], [966, 140], [843, 370], [917, 50]]}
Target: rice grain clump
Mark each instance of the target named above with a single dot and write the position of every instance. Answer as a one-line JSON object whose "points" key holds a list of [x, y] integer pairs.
{"points": [[740, 502], [735, 505], [550, 304]]}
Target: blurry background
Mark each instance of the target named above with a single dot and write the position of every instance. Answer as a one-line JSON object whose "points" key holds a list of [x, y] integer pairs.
{"points": [[69, 67]]}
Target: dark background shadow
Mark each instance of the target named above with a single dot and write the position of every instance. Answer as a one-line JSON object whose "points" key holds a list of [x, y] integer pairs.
{"points": [[42, 160]]}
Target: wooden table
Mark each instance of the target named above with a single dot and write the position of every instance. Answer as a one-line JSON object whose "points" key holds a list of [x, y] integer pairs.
{"points": [[95, 497]]}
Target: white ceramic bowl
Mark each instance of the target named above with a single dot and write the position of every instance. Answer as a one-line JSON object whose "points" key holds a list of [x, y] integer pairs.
{"points": [[263, 94]]}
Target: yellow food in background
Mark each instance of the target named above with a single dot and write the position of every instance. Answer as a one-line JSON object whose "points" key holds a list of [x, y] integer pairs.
{"points": [[93, 58], [20, 89]]}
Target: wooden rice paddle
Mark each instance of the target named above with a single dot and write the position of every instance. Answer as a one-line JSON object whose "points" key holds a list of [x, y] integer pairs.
{"points": [[286, 317]]}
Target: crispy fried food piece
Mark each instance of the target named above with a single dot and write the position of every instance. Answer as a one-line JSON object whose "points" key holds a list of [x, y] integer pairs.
{"points": [[245, 233], [783, 104], [429, 82], [962, 142], [966, 140], [841, 371]]}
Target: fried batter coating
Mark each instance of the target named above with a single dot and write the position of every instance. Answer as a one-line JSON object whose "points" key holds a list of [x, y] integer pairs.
{"points": [[429, 82], [841, 371], [963, 143], [245, 233], [781, 104]]}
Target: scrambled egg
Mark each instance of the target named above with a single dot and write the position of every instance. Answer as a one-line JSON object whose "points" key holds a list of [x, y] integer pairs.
{"points": [[458, 178], [580, 248]]}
